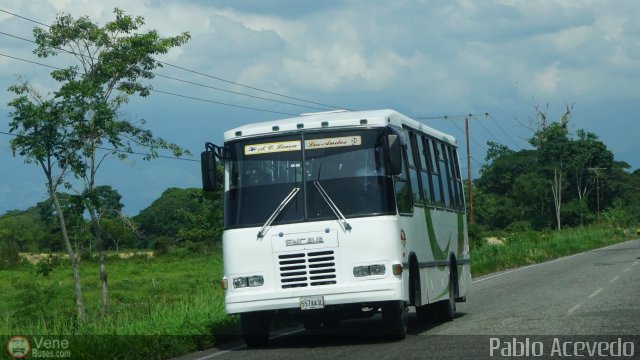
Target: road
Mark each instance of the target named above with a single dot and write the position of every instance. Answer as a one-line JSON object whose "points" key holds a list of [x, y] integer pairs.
{"points": [[592, 293]]}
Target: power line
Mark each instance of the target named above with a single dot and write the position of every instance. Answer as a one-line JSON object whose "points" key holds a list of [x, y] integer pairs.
{"points": [[178, 79], [250, 87], [489, 132], [32, 62], [506, 133], [125, 151], [208, 75], [470, 138], [165, 92], [221, 103], [236, 92], [25, 18]]}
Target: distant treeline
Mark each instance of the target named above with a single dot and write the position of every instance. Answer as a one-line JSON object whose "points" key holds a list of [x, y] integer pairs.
{"points": [[180, 217]]}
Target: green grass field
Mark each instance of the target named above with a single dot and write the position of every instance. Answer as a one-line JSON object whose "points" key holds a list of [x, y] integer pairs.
{"points": [[172, 303], [167, 306]]}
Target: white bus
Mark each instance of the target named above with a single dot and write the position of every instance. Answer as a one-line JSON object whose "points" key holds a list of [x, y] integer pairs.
{"points": [[338, 215]]}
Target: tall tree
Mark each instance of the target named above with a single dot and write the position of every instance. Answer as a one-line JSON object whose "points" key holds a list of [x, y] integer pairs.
{"points": [[112, 61], [44, 136]]}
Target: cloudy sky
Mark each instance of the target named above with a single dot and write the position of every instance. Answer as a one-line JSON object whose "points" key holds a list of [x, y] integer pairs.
{"points": [[422, 58]]}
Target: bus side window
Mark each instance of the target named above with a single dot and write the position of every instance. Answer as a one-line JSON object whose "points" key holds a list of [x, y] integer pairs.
{"points": [[454, 178], [456, 166], [414, 176], [425, 171], [403, 191], [435, 174], [446, 175]]}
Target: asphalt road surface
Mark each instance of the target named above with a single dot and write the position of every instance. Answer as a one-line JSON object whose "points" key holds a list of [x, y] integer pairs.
{"points": [[590, 297]]}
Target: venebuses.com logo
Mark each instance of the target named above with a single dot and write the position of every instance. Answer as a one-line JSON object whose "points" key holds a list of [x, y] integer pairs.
{"points": [[43, 347], [18, 347]]}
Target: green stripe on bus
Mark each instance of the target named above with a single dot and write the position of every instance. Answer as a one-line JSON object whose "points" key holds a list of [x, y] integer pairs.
{"points": [[438, 254], [460, 236]]}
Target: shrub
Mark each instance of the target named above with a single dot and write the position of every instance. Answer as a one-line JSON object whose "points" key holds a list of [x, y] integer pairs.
{"points": [[519, 226], [162, 245], [9, 257], [475, 235]]}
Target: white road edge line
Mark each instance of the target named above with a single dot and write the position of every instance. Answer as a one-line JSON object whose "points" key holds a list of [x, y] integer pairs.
{"points": [[574, 308], [596, 292], [614, 278], [543, 263], [627, 269], [244, 346]]}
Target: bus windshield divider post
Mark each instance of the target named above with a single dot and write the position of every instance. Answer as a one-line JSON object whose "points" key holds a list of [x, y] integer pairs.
{"points": [[277, 211], [336, 211]]}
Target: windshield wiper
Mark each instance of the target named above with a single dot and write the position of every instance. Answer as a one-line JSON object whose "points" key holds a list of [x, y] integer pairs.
{"points": [[278, 210], [336, 211]]}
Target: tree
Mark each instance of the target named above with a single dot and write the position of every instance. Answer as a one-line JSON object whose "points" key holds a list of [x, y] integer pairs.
{"points": [[182, 214], [44, 137], [112, 61], [551, 184], [24, 230]]}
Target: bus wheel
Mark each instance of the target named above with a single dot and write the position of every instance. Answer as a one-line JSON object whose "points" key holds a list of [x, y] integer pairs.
{"points": [[424, 313], [255, 328], [312, 324], [447, 308], [396, 319]]}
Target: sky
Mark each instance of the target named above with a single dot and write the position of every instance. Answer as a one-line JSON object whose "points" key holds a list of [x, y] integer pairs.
{"points": [[421, 58]]}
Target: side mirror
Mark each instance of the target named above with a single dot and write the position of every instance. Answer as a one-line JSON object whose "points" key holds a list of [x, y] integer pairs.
{"points": [[395, 155], [208, 163]]}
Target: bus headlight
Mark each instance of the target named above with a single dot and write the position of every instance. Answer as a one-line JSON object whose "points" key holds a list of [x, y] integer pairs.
{"points": [[375, 270], [251, 281], [240, 282], [255, 280]]}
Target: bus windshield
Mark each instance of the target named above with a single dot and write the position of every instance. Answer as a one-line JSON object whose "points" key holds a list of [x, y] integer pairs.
{"points": [[348, 165]]}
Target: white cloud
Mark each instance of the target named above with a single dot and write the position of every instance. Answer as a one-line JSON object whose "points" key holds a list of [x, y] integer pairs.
{"points": [[547, 80]]}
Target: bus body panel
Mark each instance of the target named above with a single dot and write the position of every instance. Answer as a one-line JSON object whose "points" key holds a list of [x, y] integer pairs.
{"points": [[372, 241]]}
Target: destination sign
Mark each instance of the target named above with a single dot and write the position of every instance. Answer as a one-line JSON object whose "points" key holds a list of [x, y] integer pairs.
{"points": [[274, 147], [333, 142]]}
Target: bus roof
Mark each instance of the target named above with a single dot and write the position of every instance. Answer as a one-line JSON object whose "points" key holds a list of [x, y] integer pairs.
{"points": [[333, 120]]}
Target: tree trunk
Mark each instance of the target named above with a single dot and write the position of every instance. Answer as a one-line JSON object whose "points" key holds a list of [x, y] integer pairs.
{"points": [[72, 255], [100, 244]]}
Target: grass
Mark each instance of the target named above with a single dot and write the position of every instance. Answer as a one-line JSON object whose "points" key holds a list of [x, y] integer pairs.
{"points": [[168, 306], [531, 247], [159, 307]]}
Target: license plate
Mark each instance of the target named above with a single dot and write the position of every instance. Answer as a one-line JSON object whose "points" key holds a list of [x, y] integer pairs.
{"points": [[311, 302]]}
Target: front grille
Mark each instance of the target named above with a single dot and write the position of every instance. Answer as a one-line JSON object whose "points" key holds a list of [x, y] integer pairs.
{"points": [[307, 269]]}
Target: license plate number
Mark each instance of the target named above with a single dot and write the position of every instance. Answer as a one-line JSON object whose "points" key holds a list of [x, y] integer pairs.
{"points": [[311, 302]]}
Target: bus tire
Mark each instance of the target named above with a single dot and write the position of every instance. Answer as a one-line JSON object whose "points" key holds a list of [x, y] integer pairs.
{"points": [[312, 324], [424, 313], [396, 319], [255, 328], [447, 308]]}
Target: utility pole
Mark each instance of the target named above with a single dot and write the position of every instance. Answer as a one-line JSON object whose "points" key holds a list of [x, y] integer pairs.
{"points": [[466, 118], [597, 171], [469, 186]]}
